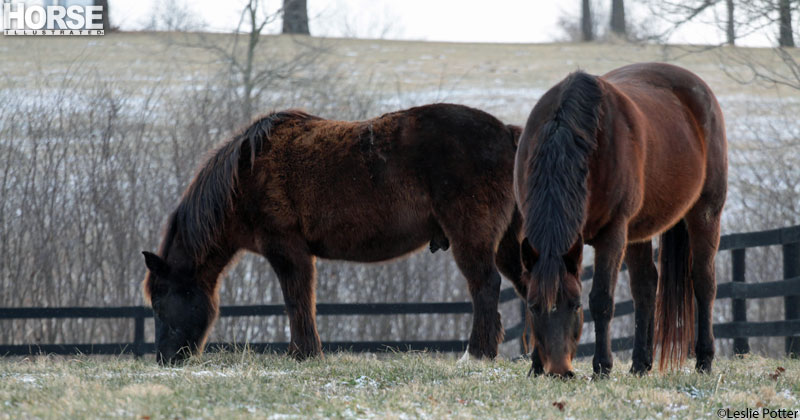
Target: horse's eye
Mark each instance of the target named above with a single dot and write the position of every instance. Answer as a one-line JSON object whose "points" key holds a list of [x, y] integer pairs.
{"points": [[576, 307], [535, 308]]}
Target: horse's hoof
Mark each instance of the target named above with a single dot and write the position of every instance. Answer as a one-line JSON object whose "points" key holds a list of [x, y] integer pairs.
{"points": [[703, 366], [641, 369], [601, 371], [464, 359], [304, 354], [602, 367]]}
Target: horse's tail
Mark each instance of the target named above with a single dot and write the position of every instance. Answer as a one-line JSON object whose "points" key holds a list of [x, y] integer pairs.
{"points": [[674, 317]]}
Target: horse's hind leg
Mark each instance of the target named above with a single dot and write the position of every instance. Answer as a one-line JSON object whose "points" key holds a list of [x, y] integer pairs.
{"points": [[476, 262], [643, 281], [297, 275], [703, 223]]}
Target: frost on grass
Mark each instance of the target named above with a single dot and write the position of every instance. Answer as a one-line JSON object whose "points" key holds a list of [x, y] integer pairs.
{"points": [[392, 387]]}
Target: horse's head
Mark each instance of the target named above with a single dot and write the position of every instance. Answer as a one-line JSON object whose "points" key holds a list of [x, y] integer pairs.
{"points": [[183, 311], [555, 307]]}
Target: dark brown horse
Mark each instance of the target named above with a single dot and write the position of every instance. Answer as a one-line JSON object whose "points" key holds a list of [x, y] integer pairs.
{"points": [[612, 161], [292, 187]]}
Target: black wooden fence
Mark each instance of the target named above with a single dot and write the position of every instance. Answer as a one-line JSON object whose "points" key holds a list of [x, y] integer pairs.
{"points": [[738, 290], [139, 314]]}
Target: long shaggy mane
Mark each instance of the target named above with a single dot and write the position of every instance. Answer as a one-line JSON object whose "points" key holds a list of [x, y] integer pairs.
{"points": [[557, 179], [204, 206]]}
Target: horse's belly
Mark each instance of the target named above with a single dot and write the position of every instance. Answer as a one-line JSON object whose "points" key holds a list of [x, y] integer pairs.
{"points": [[381, 246], [387, 229], [662, 209]]}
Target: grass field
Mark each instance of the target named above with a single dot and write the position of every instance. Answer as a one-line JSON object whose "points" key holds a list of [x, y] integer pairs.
{"points": [[246, 385]]}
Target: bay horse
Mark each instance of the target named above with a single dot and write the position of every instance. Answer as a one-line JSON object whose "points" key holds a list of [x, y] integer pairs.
{"points": [[292, 187], [612, 161]]}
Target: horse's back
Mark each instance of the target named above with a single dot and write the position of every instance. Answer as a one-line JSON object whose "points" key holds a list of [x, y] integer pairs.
{"points": [[372, 190], [681, 126], [457, 149], [467, 156], [653, 86]]}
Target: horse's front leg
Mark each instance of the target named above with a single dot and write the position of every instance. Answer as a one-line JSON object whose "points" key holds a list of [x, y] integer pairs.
{"points": [[609, 249], [537, 368], [297, 276]]}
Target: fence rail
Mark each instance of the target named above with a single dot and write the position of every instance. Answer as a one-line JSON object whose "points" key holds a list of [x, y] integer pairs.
{"points": [[738, 290], [140, 313]]}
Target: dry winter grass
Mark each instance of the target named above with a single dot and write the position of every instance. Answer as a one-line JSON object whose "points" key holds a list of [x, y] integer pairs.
{"points": [[247, 385], [505, 79]]}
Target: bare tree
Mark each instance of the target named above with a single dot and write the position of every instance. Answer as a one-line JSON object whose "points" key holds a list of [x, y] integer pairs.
{"points": [[587, 27], [249, 77], [785, 37], [772, 12], [247, 72], [295, 17], [760, 13], [618, 18], [681, 12], [730, 28], [745, 68], [594, 22], [741, 17]]}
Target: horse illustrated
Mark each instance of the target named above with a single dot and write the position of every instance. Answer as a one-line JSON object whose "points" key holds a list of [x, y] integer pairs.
{"points": [[293, 187], [612, 161]]}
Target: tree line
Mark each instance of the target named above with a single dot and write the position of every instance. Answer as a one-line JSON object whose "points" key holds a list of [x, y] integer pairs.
{"points": [[738, 18]]}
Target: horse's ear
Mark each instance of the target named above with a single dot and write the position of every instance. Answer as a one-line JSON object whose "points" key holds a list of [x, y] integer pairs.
{"points": [[528, 254], [574, 257], [156, 264]]}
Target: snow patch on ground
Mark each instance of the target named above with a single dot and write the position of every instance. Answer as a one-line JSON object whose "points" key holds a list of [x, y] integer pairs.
{"points": [[35, 379], [362, 382]]}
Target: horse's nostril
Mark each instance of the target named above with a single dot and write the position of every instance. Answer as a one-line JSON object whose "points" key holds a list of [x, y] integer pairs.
{"points": [[569, 374]]}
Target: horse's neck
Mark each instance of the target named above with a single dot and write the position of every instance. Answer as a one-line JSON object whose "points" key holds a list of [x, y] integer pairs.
{"points": [[209, 268]]}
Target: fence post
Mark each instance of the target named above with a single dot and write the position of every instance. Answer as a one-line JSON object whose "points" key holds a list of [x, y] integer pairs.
{"points": [[138, 333], [741, 345], [791, 268]]}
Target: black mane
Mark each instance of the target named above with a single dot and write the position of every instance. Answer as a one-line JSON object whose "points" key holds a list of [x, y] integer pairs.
{"points": [[201, 213], [557, 172]]}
